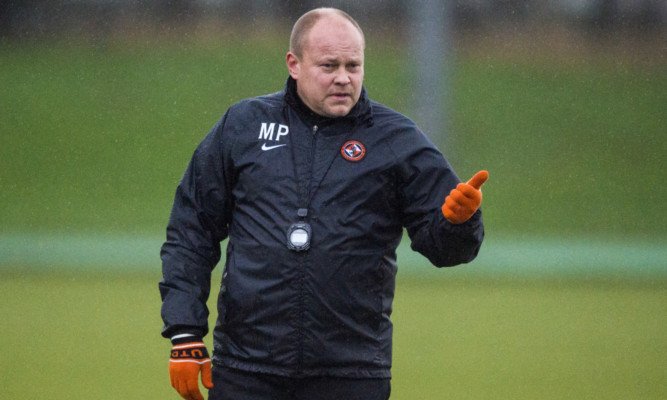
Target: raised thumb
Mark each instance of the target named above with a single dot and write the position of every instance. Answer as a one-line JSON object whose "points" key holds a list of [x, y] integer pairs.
{"points": [[478, 180]]}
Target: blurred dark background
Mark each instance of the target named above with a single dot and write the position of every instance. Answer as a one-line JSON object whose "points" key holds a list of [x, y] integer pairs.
{"points": [[35, 19]]}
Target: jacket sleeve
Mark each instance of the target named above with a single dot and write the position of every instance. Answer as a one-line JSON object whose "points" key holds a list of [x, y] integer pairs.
{"points": [[427, 180], [197, 224]]}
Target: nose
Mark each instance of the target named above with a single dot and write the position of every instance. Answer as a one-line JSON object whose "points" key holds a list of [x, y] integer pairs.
{"points": [[341, 77]]}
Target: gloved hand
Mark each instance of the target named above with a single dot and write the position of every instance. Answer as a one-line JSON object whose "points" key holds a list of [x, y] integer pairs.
{"points": [[187, 360], [463, 201]]}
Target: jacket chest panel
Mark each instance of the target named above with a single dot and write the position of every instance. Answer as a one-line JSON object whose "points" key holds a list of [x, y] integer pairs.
{"points": [[264, 173], [365, 188]]}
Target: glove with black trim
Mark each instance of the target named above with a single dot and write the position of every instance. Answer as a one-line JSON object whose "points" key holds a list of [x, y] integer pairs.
{"points": [[189, 357]]}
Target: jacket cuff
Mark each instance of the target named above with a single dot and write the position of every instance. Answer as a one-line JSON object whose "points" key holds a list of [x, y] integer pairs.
{"points": [[185, 338], [471, 225]]}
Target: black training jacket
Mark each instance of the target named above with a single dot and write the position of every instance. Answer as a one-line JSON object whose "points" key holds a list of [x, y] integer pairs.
{"points": [[325, 311]]}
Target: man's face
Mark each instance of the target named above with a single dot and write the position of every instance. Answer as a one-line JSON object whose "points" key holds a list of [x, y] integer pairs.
{"points": [[330, 72]]}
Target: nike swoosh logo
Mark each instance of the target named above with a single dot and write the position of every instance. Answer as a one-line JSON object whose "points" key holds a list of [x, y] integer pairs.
{"points": [[265, 147]]}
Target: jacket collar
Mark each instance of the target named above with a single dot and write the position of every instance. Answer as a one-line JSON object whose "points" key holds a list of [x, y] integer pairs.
{"points": [[361, 112]]}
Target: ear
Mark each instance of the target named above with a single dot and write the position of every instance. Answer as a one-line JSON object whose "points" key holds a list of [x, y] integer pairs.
{"points": [[293, 65]]}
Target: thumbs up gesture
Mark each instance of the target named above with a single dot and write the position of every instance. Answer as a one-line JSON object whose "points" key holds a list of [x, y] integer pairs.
{"points": [[463, 201]]}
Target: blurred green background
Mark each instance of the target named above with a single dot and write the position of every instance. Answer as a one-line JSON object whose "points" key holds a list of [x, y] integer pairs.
{"points": [[97, 139], [567, 299]]}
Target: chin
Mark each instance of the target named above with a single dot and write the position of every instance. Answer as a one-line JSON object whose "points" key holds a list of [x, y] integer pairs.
{"points": [[339, 111], [337, 115]]}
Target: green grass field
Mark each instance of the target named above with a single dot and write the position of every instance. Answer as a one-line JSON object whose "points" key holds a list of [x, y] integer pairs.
{"points": [[94, 141], [74, 335]]}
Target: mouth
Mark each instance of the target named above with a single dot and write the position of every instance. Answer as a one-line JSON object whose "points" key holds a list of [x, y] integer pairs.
{"points": [[340, 96]]}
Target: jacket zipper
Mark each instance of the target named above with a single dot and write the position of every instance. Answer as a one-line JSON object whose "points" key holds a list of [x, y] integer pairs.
{"points": [[302, 266]]}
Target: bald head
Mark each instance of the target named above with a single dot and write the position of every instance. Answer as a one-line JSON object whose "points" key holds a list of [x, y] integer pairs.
{"points": [[326, 59], [299, 36]]}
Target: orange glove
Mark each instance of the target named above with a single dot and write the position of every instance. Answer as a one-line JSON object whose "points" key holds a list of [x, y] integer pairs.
{"points": [[187, 360], [463, 201]]}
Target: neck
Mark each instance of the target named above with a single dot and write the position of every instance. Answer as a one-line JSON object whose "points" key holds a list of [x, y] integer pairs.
{"points": [[311, 116]]}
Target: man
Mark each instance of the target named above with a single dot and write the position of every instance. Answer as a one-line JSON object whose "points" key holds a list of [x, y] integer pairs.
{"points": [[313, 187]]}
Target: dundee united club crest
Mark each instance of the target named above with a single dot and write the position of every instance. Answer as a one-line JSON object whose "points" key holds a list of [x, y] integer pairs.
{"points": [[353, 151]]}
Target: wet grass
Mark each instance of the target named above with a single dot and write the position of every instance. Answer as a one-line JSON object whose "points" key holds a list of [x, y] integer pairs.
{"points": [[95, 334]]}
